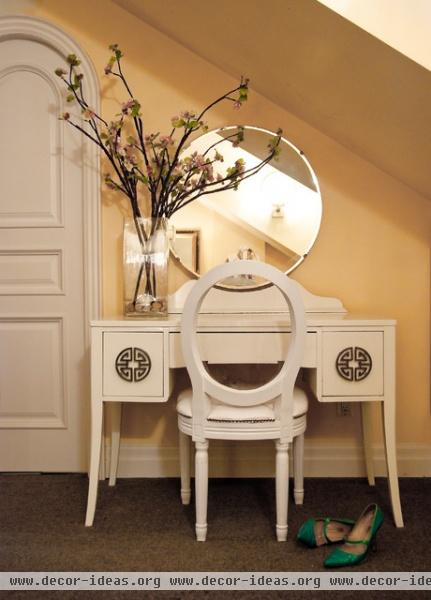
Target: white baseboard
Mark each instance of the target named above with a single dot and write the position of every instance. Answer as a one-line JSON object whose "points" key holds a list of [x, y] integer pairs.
{"points": [[251, 459]]}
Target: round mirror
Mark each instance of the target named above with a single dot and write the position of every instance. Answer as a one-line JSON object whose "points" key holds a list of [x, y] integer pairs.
{"points": [[273, 216]]}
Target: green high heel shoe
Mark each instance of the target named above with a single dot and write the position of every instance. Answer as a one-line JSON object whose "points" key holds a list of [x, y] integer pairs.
{"points": [[307, 531], [363, 533]]}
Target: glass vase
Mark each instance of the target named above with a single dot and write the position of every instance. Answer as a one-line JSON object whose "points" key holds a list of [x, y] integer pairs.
{"points": [[145, 267]]}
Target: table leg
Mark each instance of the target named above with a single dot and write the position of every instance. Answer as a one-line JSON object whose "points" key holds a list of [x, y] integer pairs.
{"points": [[367, 439], [388, 416], [115, 414], [96, 441]]}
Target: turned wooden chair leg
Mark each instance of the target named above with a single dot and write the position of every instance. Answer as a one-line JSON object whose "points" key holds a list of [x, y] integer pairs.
{"points": [[298, 469], [185, 467], [201, 489], [281, 488]]}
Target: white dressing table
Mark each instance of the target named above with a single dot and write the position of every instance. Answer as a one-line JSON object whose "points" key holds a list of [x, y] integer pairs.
{"points": [[347, 359]]}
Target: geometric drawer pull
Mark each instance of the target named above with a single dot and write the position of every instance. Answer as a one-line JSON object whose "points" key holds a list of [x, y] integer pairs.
{"points": [[354, 364], [133, 364]]}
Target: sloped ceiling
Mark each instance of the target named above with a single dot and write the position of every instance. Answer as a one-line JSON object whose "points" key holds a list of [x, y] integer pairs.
{"points": [[318, 66]]}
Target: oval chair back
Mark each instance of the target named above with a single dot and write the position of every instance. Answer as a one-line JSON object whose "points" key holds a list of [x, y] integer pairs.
{"points": [[281, 387]]}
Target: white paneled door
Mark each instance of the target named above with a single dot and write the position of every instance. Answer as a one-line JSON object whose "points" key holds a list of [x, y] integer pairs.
{"points": [[44, 269]]}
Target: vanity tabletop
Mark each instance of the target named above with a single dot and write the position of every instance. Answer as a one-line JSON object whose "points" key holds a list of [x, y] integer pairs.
{"points": [[249, 320]]}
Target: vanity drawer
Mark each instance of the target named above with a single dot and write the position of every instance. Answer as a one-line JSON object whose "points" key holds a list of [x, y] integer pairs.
{"points": [[133, 364], [352, 363], [242, 348]]}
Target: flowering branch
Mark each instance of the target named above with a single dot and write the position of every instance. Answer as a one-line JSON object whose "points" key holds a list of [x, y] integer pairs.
{"points": [[153, 161]]}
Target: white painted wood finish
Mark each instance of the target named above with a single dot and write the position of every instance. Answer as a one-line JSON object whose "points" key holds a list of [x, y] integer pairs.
{"points": [[341, 326], [49, 255], [208, 395], [257, 347], [333, 342], [185, 457], [152, 384], [116, 409], [264, 300]]}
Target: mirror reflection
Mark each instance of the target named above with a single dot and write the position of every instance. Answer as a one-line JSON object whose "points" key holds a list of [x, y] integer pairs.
{"points": [[274, 216]]}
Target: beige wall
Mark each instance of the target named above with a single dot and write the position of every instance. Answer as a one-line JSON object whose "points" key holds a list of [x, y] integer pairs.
{"points": [[373, 247]]}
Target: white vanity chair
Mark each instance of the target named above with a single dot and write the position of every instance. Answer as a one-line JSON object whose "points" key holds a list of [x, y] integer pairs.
{"points": [[209, 410]]}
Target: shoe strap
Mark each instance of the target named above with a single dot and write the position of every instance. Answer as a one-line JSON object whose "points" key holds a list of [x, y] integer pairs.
{"points": [[326, 522], [347, 541]]}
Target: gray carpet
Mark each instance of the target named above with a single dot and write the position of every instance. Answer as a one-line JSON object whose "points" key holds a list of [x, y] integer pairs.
{"points": [[140, 525]]}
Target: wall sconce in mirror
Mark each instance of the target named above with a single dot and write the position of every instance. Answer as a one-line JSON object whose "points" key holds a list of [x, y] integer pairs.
{"points": [[277, 212]]}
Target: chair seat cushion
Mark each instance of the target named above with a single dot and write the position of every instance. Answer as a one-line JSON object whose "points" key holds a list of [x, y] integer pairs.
{"points": [[247, 414]]}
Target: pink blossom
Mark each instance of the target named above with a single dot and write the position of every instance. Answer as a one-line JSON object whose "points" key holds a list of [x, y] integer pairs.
{"points": [[176, 172], [166, 140], [113, 127], [130, 156], [197, 161], [114, 141], [187, 114], [126, 106], [149, 139], [88, 113], [237, 104]]}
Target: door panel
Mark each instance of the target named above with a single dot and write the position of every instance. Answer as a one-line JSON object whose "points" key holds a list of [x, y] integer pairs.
{"points": [[32, 372], [31, 171], [44, 408], [28, 272]]}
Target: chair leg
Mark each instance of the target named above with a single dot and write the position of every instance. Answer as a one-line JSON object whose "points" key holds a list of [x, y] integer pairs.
{"points": [[95, 452], [185, 467], [298, 469], [281, 488], [115, 413], [201, 489]]}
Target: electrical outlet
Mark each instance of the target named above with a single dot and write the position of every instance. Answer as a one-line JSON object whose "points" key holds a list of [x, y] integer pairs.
{"points": [[344, 409]]}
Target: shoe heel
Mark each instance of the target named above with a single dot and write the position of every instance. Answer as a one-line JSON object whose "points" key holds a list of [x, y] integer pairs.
{"points": [[373, 545]]}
